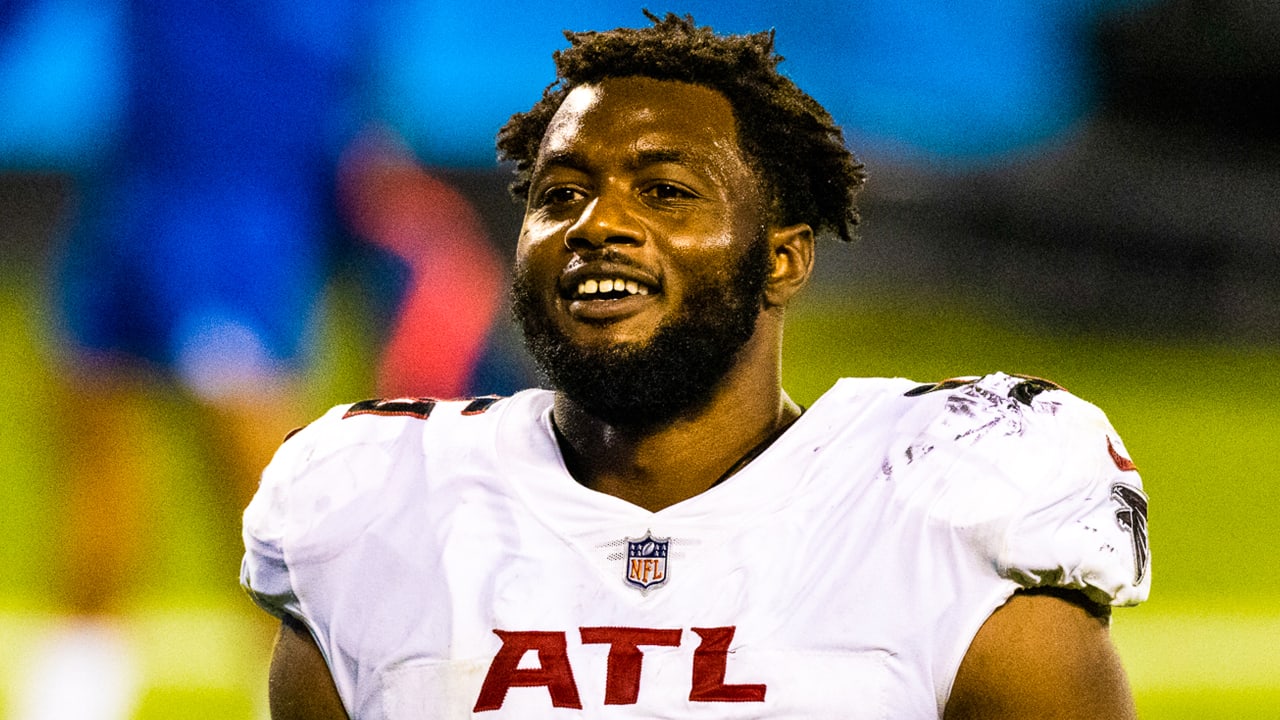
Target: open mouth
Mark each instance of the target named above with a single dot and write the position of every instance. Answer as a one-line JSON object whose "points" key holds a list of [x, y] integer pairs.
{"points": [[608, 292], [608, 288]]}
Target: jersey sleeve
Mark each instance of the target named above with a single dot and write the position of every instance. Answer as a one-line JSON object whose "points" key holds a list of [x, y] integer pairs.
{"points": [[1085, 528], [264, 574], [314, 499], [1037, 483]]}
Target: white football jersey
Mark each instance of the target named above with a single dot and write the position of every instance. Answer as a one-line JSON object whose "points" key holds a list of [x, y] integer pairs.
{"points": [[449, 566]]}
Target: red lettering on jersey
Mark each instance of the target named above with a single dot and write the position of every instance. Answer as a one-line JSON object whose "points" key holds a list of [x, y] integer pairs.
{"points": [[622, 684], [710, 661], [553, 671]]}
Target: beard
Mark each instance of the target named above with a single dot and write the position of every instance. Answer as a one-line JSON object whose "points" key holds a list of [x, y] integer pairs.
{"points": [[675, 372]]}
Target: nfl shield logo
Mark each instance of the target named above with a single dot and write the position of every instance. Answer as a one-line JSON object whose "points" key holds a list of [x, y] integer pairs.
{"points": [[647, 562]]}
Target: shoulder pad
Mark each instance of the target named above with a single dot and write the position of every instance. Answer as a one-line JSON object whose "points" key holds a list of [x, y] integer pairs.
{"points": [[1036, 477]]}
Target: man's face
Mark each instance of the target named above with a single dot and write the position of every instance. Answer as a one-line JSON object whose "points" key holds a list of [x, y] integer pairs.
{"points": [[644, 251]]}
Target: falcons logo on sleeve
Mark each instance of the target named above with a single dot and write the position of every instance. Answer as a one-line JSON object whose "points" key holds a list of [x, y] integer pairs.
{"points": [[1132, 516]]}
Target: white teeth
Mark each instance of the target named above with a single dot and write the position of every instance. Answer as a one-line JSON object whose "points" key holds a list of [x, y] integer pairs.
{"points": [[591, 287]]}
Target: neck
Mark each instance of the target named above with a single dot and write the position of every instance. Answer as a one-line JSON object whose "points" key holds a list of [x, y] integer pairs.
{"points": [[658, 466]]}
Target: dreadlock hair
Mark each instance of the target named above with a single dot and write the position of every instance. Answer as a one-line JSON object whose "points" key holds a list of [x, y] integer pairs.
{"points": [[797, 149]]}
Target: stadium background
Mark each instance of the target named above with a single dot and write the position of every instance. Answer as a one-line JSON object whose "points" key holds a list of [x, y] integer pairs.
{"points": [[1085, 191]]}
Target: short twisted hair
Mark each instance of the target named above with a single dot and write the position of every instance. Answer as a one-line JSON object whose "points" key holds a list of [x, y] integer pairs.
{"points": [[797, 149]]}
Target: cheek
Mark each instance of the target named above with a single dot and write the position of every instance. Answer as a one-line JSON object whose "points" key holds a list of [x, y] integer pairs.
{"points": [[719, 225], [524, 244], [537, 232], [713, 237], [536, 240], [539, 259], [697, 267], [701, 235]]}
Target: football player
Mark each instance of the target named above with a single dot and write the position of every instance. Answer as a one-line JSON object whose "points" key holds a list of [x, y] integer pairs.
{"points": [[665, 533]]}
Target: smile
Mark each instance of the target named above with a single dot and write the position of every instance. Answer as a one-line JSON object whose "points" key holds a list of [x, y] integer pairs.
{"points": [[606, 288], [608, 292], [607, 282]]}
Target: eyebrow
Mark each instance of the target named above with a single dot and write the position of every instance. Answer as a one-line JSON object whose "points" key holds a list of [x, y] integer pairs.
{"points": [[658, 156], [576, 160], [562, 158]]}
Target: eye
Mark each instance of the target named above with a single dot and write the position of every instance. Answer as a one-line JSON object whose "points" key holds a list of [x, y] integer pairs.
{"points": [[559, 195], [668, 191]]}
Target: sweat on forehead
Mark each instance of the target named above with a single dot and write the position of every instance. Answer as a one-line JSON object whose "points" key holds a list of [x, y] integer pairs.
{"points": [[651, 117], [629, 124]]}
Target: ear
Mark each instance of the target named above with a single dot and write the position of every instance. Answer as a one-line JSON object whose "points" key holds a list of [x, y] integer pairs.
{"points": [[792, 249]]}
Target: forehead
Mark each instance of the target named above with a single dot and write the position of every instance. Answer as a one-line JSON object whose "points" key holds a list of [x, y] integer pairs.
{"points": [[637, 115]]}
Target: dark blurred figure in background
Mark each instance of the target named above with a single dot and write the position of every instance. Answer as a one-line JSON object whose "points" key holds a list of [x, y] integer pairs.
{"points": [[197, 262], [207, 231]]}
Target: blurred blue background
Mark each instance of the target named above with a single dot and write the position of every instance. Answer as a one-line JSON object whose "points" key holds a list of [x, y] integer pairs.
{"points": [[218, 218]]}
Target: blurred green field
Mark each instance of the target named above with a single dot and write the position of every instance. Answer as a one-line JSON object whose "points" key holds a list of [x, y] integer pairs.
{"points": [[1201, 421]]}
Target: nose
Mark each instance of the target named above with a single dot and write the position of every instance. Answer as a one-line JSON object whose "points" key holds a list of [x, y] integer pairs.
{"points": [[606, 219]]}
